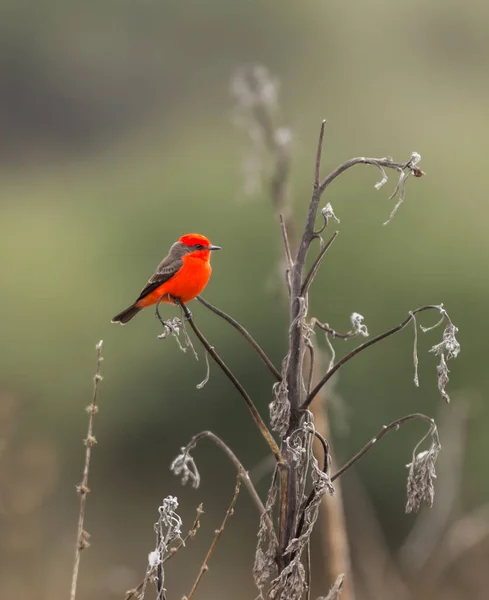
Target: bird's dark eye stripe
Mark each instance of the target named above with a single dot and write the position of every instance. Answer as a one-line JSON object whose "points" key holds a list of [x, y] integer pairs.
{"points": [[199, 247]]}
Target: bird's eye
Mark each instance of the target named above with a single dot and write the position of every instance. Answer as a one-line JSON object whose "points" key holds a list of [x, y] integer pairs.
{"points": [[200, 247]]}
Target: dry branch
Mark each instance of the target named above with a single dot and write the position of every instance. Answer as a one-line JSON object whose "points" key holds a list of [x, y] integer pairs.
{"points": [[385, 429], [179, 466], [371, 342], [204, 568], [83, 489], [272, 444], [135, 593], [261, 353]]}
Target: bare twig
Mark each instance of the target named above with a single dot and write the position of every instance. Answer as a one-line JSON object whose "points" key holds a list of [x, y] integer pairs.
{"points": [[319, 150], [192, 532], [82, 489], [285, 237], [248, 337], [358, 328], [227, 371], [232, 457], [364, 346], [381, 163], [316, 264], [385, 429], [204, 568]]}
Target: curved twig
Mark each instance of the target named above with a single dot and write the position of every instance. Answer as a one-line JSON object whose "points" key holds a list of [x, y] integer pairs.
{"points": [[333, 333], [379, 163], [245, 334], [359, 349], [227, 371], [242, 472], [385, 429], [315, 265], [285, 237]]}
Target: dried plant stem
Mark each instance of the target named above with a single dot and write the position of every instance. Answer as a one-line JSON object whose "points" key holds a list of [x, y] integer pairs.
{"points": [[82, 489], [261, 353], [251, 407], [385, 429], [243, 474], [253, 93], [293, 374], [316, 264], [204, 568], [431, 526], [378, 162], [190, 535], [361, 347], [334, 540], [285, 238]]}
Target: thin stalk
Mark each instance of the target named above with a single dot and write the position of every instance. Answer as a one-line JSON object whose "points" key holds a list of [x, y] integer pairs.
{"points": [[360, 348], [244, 394], [82, 489], [248, 337], [385, 429], [204, 568]]}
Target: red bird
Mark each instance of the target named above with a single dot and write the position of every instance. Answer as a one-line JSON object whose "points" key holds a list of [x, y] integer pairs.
{"points": [[182, 275]]}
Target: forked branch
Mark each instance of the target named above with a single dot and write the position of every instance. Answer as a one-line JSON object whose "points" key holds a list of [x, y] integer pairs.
{"points": [[227, 371], [179, 465], [381, 163], [248, 337], [362, 347], [316, 264]]}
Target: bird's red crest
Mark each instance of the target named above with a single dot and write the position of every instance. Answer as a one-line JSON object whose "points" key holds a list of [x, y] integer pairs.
{"points": [[192, 239]]}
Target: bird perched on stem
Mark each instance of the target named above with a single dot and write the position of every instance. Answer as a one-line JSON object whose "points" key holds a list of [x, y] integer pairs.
{"points": [[181, 275]]}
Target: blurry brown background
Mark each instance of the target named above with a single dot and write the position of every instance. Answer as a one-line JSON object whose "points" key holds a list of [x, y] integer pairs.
{"points": [[116, 137]]}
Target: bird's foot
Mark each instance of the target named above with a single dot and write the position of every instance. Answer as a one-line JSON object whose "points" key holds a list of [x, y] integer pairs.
{"points": [[186, 311]]}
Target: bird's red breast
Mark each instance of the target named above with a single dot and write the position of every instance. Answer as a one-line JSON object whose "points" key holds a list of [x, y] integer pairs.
{"points": [[187, 283]]}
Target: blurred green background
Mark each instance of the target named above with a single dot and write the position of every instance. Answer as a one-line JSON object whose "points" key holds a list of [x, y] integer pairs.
{"points": [[117, 137]]}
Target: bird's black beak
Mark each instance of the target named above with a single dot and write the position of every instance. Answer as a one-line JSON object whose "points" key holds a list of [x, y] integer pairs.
{"points": [[213, 247]]}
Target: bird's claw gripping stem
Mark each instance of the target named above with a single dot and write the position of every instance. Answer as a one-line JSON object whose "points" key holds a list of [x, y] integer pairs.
{"points": [[186, 311]]}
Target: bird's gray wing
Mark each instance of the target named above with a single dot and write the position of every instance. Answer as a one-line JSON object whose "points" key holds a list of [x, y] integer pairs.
{"points": [[168, 267]]}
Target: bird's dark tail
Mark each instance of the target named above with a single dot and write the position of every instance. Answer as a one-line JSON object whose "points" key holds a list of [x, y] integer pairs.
{"points": [[126, 315]]}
